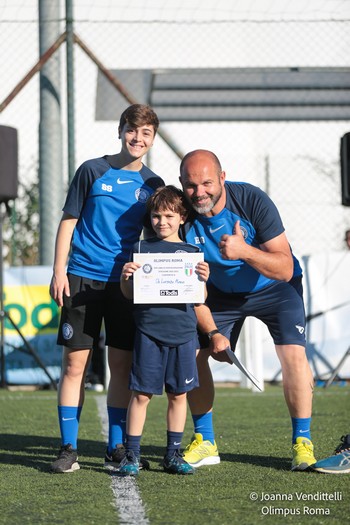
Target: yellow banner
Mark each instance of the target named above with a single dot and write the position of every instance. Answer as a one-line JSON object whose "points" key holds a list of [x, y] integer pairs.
{"points": [[31, 308]]}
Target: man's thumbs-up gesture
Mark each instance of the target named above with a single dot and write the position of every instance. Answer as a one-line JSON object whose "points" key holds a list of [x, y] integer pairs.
{"points": [[233, 246]]}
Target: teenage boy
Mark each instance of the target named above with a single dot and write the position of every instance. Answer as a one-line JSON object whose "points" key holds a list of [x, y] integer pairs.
{"points": [[102, 219]]}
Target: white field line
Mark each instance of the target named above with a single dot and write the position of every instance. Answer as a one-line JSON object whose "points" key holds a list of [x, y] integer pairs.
{"points": [[126, 494]]}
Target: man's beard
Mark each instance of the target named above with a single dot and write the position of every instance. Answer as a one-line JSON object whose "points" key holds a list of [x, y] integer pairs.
{"points": [[202, 210]]}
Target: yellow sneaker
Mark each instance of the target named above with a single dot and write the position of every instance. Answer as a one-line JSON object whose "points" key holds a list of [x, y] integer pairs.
{"points": [[199, 452], [303, 454]]}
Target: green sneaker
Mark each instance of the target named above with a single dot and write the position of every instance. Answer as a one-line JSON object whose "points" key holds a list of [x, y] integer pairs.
{"points": [[175, 464], [129, 465], [199, 453], [303, 454]]}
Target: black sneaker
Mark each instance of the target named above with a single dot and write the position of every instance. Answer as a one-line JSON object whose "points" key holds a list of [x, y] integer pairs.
{"points": [[113, 459], [175, 464], [67, 460], [344, 445]]}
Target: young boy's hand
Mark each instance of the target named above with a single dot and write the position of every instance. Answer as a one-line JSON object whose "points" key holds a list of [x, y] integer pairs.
{"points": [[202, 269], [128, 269]]}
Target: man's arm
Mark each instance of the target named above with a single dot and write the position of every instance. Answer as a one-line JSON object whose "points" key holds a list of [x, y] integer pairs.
{"points": [[273, 259], [206, 324]]}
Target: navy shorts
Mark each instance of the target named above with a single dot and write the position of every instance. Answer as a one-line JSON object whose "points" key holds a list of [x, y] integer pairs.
{"points": [[280, 306], [90, 304], [155, 365]]}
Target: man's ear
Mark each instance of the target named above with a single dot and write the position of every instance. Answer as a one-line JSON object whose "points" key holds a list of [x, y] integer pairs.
{"points": [[222, 177], [183, 218]]}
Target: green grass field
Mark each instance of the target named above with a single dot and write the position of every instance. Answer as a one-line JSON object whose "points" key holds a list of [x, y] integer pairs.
{"points": [[253, 435]]}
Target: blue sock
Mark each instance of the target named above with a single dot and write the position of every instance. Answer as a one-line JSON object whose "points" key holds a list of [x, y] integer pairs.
{"points": [[173, 442], [117, 427], [301, 427], [133, 443], [68, 418], [203, 424]]}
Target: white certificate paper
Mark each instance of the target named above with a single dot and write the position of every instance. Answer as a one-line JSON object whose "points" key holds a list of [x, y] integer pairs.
{"points": [[235, 361], [168, 278]]}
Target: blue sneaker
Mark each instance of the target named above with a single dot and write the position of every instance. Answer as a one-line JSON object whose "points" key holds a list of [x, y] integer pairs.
{"points": [[175, 464], [339, 463], [129, 465]]}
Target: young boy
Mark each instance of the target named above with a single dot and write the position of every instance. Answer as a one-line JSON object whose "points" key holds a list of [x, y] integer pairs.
{"points": [[165, 341], [102, 218]]}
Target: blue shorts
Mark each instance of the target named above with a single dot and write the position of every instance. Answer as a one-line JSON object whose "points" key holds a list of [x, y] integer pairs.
{"points": [[280, 306], [90, 304], [155, 365]]}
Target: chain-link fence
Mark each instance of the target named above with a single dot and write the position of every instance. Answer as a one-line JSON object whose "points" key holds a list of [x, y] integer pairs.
{"points": [[296, 161]]}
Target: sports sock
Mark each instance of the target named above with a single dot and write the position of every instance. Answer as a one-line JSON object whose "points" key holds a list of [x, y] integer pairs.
{"points": [[117, 427], [133, 443], [203, 424], [173, 442], [68, 418], [301, 427]]}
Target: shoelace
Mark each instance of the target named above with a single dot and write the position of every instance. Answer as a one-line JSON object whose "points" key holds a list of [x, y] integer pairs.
{"points": [[192, 445], [66, 449], [303, 446], [130, 456], [343, 445], [176, 456]]}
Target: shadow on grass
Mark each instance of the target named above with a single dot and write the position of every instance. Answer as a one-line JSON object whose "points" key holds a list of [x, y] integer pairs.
{"points": [[276, 463], [156, 454], [39, 451]]}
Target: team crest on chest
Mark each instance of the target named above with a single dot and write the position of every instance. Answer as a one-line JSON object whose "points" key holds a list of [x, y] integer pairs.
{"points": [[141, 195], [244, 232]]}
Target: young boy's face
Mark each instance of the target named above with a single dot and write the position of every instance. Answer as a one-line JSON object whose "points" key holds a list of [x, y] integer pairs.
{"points": [[137, 140], [166, 223]]}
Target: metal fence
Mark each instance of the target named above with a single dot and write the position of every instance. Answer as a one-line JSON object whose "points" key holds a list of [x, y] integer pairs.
{"points": [[296, 161]]}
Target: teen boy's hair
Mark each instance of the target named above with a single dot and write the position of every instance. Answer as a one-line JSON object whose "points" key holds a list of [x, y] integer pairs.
{"points": [[139, 115], [168, 198]]}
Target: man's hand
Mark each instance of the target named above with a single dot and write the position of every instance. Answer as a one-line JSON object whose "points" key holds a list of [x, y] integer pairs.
{"points": [[217, 348], [233, 246]]}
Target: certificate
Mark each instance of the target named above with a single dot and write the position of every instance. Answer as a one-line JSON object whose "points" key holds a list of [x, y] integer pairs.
{"points": [[168, 278]]}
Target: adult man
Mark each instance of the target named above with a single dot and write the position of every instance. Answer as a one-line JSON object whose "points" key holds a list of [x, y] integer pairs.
{"points": [[102, 219], [253, 273]]}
